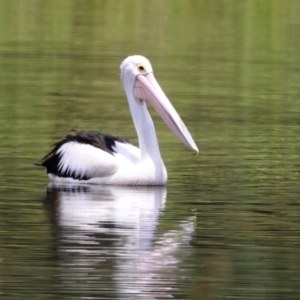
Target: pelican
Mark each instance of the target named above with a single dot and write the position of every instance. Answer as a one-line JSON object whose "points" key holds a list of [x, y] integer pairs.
{"points": [[98, 158]]}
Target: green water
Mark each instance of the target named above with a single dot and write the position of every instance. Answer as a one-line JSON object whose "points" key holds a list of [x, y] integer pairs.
{"points": [[227, 225]]}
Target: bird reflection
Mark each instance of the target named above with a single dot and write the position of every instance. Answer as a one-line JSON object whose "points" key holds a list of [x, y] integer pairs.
{"points": [[108, 236]]}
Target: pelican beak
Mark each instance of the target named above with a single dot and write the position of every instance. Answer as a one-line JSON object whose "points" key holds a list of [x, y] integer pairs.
{"points": [[146, 88]]}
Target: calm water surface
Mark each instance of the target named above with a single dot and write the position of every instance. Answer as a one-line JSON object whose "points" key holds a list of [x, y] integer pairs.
{"points": [[227, 225]]}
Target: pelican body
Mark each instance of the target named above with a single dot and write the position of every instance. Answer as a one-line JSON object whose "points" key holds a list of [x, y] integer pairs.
{"points": [[98, 158]]}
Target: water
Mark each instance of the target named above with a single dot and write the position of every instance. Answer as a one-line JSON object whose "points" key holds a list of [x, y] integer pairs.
{"points": [[227, 224]]}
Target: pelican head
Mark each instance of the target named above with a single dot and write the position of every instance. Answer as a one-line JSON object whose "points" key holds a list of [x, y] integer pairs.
{"points": [[138, 80]]}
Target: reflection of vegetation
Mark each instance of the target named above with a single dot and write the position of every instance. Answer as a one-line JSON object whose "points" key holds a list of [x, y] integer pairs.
{"points": [[231, 69]]}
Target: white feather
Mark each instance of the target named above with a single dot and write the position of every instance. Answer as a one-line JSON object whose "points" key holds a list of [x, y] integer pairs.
{"points": [[128, 150], [83, 159]]}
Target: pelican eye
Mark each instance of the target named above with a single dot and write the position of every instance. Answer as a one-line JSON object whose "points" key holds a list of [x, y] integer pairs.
{"points": [[141, 68]]}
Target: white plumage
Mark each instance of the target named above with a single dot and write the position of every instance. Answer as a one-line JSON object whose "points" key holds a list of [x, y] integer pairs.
{"points": [[104, 159], [86, 159]]}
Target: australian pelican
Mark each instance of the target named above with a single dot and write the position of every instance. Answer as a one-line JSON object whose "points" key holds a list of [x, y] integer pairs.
{"points": [[98, 158]]}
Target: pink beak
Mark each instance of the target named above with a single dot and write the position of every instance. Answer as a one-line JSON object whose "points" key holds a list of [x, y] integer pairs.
{"points": [[146, 88]]}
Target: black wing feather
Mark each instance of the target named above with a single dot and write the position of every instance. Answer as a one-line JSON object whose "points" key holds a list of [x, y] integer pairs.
{"points": [[99, 140]]}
